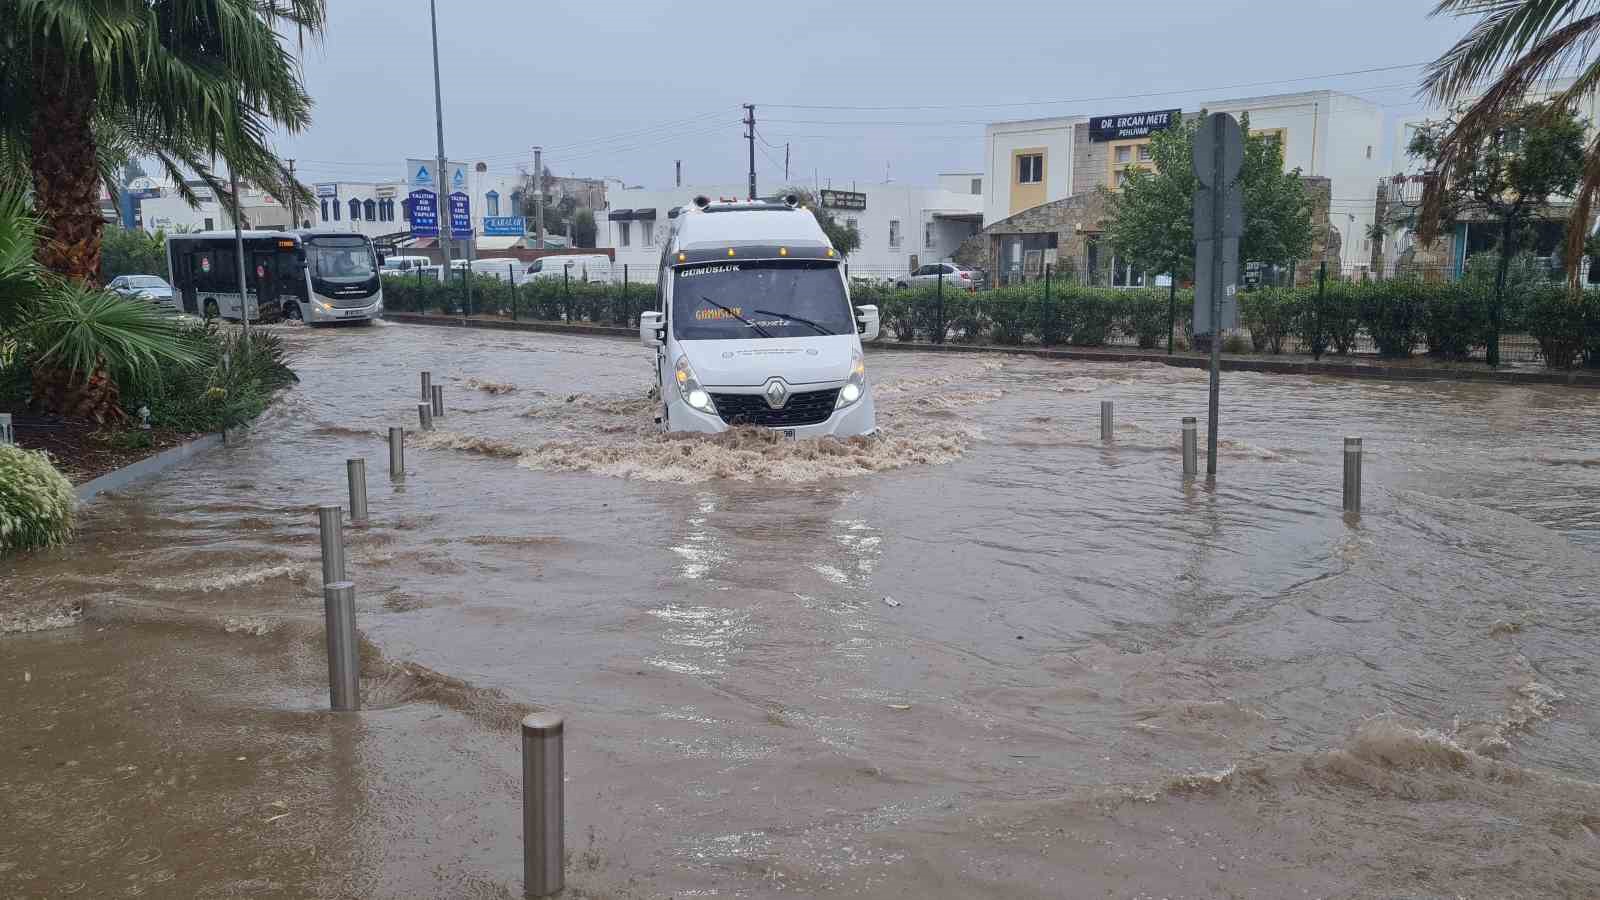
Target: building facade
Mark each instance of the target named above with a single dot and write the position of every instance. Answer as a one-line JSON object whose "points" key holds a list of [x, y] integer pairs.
{"points": [[901, 226], [1332, 138]]}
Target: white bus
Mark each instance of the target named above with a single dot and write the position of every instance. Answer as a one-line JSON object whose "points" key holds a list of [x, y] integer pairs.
{"points": [[313, 276]]}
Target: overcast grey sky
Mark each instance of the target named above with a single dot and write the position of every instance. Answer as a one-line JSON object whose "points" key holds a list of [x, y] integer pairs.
{"points": [[623, 88]]}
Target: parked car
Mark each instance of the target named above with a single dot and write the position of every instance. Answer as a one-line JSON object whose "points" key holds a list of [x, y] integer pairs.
{"points": [[959, 277], [150, 287]]}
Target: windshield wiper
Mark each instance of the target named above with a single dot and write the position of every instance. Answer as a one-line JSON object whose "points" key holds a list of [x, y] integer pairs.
{"points": [[819, 328], [758, 329]]}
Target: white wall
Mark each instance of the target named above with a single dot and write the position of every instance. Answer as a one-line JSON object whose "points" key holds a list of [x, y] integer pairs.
{"points": [[959, 182], [360, 190], [911, 206], [1003, 138]]}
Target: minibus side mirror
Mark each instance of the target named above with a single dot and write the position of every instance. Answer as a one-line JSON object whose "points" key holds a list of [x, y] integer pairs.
{"points": [[867, 322], [651, 325], [381, 258]]}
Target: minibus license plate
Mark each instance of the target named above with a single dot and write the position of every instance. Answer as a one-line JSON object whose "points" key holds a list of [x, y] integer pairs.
{"points": [[788, 434]]}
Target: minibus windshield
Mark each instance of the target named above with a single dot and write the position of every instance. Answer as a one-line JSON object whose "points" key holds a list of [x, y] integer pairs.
{"points": [[765, 299]]}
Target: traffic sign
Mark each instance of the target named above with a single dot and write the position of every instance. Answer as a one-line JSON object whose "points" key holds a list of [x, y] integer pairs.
{"points": [[1218, 133], [1203, 282]]}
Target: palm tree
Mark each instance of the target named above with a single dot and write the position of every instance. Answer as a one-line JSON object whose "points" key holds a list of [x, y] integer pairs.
{"points": [[182, 80], [1515, 47]]}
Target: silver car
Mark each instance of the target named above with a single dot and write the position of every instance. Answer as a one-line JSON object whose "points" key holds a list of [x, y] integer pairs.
{"points": [[956, 277], [149, 287]]}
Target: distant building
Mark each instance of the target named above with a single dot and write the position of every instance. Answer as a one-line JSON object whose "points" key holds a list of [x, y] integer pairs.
{"points": [[901, 226], [1042, 176], [170, 212]]}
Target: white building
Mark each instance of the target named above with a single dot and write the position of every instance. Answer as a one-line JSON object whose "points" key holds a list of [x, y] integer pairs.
{"points": [[169, 212], [1323, 133], [901, 226]]}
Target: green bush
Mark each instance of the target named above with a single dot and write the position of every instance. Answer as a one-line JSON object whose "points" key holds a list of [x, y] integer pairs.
{"points": [[36, 501], [1392, 313], [1332, 319], [1012, 316], [231, 384], [1146, 317], [1558, 322], [1092, 314], [1272, 315], [132, 252], [1455, 317]]}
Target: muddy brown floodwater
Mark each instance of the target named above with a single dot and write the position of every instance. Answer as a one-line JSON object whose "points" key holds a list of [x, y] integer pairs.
{"points": [[1097, 680]]}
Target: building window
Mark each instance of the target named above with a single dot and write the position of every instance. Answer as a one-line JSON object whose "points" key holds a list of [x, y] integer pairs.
{"points": [[647, 234], [209, 224], [1281, 135], [977, 185], [1369, 152], [1030, 168], [623, 237], [1144, 153], [930, 237], [1124, 154], [369, 211], [336, 210], [491, 204], [894, 233], [355, 209], [324, 210]]}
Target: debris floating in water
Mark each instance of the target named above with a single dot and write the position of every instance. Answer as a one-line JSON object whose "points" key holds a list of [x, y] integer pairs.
{"points": [[890, 601]]}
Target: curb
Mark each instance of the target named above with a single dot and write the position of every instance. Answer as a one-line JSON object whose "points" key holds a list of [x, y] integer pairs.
{"points": [[144, 468], [1271, 366]]}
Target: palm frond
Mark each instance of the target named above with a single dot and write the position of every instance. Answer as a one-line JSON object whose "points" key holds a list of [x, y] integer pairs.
{"points": [[1507, 30], [81, 328]]}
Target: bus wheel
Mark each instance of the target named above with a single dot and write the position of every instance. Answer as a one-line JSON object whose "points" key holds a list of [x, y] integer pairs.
{"points": [[291, 311], [213, 311]]}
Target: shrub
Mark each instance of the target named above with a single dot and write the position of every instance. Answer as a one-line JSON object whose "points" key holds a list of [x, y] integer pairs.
{"points": [[963, 316], [36, 501], [1557, 321], [1011, 315], [1331, 319], [231, 384], [1146, 317], [1092, 314], [1455, 317], [1391, 311], [1051, 322], [1271, 314]]}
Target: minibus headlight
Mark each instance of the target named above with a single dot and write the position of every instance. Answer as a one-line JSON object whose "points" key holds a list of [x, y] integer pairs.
{"points": [[856, 386], [689, 386]]}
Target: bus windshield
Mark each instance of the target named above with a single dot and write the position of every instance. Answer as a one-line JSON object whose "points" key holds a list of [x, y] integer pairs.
{"points": [[766, 299], [340, 259]]}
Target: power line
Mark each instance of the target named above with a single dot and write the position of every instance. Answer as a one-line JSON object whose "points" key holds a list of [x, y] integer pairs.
{"points": [[1022, 103]]}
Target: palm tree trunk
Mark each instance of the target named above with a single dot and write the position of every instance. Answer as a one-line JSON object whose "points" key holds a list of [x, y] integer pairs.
{"points": [[66, 183]]}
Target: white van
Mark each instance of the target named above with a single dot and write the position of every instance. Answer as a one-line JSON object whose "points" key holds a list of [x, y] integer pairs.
{"points": [[394, 265], [578, 267], [755, 325], [504, 268]]}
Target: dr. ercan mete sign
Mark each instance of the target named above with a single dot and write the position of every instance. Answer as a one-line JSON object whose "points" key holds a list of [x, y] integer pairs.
{"points": [[1131, 125]]}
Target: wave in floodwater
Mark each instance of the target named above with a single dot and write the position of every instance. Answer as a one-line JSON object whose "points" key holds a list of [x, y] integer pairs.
{"points": [[491, 387]]}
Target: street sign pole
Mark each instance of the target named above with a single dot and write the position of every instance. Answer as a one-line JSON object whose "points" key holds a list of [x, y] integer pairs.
{"points": [[1218, 192]]}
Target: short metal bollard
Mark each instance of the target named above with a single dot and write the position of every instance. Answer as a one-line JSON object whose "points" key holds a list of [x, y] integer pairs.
{"points": [[356, 470], [425, 416], [330, 523], [397, 452], [543, 838], [438, 401], [1105, 420], [427, 385], [1352, 475], [344, 659], [8, 434], [1191, 448]]}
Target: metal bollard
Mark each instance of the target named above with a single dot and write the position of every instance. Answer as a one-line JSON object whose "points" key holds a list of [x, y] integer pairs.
{"points": [[356, 470], [1105, 420], [330, 523], [438, 401], [425, 416], [1352, 475], [344, 660], [427, 385], [397, 452], [1191, 448], [543, 838], [8, 435]]}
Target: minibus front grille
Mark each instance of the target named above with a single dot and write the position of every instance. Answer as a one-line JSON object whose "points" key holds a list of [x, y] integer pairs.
{"points": [[803, 408]]}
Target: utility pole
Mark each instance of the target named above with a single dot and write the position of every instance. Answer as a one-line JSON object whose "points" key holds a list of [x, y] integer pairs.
{"points": [[786, 163], [238, 245], [441, 198], [538, 197], [750, 135], [679, 167], [294, 199]]}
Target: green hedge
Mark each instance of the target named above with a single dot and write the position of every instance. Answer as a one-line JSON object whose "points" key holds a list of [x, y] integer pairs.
{"points": [[233, 383], [36, 501], [546, 299]]}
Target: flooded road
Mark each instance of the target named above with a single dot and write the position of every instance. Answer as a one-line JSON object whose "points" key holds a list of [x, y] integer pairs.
{"points": [[1097, 680]]}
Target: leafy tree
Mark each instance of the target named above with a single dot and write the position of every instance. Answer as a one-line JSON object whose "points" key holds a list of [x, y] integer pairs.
{"points": [[584, 229], [126, 251], [846, 239], [1151, 221], [181, 81], [1505, 176]]}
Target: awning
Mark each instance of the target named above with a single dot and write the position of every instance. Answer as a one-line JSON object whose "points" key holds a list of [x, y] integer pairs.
{"points": [[499, 242], [648, 214], [620, 215]]}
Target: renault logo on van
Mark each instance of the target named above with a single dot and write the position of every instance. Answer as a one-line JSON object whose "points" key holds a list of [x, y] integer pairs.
{"points": [[777, 393]]}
